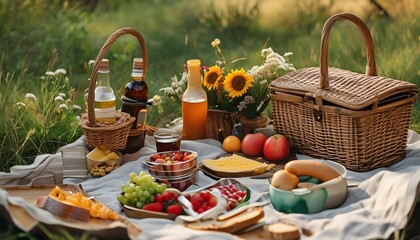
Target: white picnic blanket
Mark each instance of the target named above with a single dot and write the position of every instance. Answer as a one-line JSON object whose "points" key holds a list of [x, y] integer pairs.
{"points": [[377, 205]]}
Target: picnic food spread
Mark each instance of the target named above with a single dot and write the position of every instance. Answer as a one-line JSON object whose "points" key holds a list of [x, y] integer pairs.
{"points": [[303, 186]]}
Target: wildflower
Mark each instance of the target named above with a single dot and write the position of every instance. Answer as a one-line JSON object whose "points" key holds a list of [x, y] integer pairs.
{"points": [[212, 77], [78, 118], [59, 99], [215, 43], [243, 104], [77, 107], [63, 106], [276, 56], [49, 73], [287, 54], [20, 105], [237, 83], [63, 95], [266, 51], [30, 96], [60, 71], [263, 82], [91, 62]]}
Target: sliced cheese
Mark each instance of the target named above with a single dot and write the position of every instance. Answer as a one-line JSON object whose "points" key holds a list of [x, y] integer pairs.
{"points": [[236, 163], [97, 155]]}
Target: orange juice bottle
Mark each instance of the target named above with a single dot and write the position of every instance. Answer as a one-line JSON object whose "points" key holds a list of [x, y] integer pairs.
{"points": [[194, 104]]}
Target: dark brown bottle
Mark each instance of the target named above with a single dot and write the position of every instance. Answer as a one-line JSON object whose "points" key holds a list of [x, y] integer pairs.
{"points": [[136, 95]]}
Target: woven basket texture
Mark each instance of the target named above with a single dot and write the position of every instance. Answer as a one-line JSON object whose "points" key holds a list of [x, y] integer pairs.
{"points": [[358, 120], [114, 136]]}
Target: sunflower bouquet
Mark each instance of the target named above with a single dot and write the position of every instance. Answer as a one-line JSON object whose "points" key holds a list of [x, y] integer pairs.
{"points": [[240, 91]]}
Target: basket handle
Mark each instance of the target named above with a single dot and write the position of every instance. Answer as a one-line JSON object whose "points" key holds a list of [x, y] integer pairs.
{"points": [[323, 60], [107, 45]]}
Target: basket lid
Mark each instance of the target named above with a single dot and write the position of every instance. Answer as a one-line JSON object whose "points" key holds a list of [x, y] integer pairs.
{"points": [[347, 89]]}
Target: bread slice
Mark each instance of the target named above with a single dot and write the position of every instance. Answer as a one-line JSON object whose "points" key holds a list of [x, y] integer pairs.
{"points": [[231, 225], [282, 231]]}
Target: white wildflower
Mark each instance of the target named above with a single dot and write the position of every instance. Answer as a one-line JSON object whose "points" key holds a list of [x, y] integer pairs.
{"points": [[63, 95], [91, 62], [77, 107], [215, 43], [60, 71], [273, 62], [63, 106], [263, 82], [174, 85], [276, 55], [30, 96], [287, 54], [59, 99], [167, 91], [78, 118], [49, 73], [20, 105], [266, 51]]}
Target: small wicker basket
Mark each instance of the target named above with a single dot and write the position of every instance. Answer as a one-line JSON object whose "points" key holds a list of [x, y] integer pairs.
{"points": [[114, 136], [358, 120]]}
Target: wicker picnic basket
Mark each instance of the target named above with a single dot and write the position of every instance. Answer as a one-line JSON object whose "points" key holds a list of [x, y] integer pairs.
{"points": [[114, 136], [358, 120]]}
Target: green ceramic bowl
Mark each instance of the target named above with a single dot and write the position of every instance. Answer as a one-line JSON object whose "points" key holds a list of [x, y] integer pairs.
{"points": [[314, 201]]}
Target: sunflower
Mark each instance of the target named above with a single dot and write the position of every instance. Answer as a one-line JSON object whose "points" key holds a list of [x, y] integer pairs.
{"points": [[237, 83], [213, 77]]}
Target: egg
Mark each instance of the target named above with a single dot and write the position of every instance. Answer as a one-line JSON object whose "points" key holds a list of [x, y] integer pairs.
{"points": [[284, 180]]}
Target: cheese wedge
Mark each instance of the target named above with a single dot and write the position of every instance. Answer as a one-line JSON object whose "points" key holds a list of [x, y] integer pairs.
{"points": [[235, 164]]}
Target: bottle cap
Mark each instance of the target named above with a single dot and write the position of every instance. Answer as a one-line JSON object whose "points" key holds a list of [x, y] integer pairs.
{"points": [[138, 63], [104, 65]]}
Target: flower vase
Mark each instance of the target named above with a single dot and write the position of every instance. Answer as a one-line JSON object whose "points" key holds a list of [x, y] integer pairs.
{"points": [[219, 124], [249, 125]]}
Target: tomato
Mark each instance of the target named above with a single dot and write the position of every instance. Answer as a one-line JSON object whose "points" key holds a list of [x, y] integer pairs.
{"points": [[253, 144], [276, 148]]}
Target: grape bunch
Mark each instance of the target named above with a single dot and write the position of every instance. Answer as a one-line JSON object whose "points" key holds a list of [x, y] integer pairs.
{"points": [[140, 190]]}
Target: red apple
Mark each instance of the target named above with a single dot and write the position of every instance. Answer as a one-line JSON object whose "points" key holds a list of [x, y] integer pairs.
{"points": [[276, 148], [252, 144]]}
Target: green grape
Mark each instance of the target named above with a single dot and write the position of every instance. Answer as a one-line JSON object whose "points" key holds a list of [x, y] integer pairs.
{"points": [[123, 186], [146, 194], [151, 190], [129, 189], [152, 198], [125, 201], [136, 180], [120, 198], [143, 199], [132, 175], [137, 188], [142, 173], [140, 193], [161, 188], [139, 204]]}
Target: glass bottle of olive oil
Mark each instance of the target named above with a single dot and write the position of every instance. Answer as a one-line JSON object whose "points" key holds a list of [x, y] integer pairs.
{"points": [[104, 96]]}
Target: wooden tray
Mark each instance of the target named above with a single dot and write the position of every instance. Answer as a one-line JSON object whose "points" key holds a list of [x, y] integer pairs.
{"points": [[133, 212], [23, 218]]}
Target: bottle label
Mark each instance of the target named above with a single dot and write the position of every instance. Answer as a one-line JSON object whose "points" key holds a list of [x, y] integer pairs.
{"points": [[104, 105], [141, 119]]}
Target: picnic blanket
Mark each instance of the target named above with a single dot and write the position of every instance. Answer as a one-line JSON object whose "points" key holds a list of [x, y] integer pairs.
{"points": [[378, 202]]}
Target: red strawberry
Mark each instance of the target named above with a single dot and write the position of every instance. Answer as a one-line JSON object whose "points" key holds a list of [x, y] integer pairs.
{"points": [[155, 206], [167, 196], [212, 201], [159, 198], [174, 209]]}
